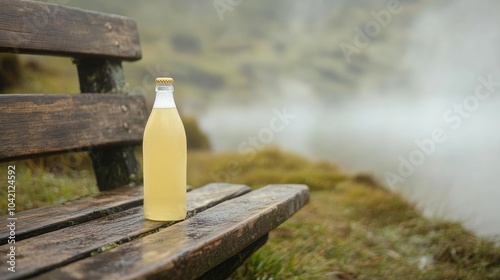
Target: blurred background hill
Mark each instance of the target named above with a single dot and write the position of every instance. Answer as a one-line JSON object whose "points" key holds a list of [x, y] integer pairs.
{"points": [[253, 49]]}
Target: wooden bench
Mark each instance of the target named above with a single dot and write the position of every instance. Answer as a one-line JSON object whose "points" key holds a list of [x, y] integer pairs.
{"points": [[105, 236]]}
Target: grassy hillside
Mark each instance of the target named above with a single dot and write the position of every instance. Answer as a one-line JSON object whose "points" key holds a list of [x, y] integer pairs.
{"points": [[355, 231], [351, 229]]}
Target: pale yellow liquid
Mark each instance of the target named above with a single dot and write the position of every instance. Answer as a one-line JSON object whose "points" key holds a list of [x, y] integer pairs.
{"points": [[164, 164]]}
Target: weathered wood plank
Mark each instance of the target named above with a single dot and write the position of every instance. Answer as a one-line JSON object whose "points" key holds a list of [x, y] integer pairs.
{"points": [[43, 252], [188, 249], [46, 219], [50, 123], [43, 28], [116, 166]]}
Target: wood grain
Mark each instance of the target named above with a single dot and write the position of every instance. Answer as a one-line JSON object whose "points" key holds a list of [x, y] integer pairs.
{"points": [[43, 252], [188, 249], [46, 219], [43, 28], [49, 123]]}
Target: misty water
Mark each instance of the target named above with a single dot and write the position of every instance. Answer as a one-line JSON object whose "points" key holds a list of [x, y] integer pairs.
{"points": [[449, 51]]}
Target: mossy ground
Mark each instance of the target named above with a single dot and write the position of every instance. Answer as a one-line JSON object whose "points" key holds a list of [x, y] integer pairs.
{"points": [[358, 232], [351, 228]]}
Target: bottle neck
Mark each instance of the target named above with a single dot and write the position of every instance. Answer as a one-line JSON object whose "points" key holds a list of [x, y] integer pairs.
{"points": [[164, 96]]}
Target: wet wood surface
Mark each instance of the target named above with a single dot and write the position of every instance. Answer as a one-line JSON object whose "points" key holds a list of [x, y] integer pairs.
{"points": [[45, 219], [49, 123], [43, 28], [188, 249], [46, 251]]}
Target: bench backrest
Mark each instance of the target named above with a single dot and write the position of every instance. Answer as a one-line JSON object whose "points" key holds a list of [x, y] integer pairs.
{"points": [[105, 120]]}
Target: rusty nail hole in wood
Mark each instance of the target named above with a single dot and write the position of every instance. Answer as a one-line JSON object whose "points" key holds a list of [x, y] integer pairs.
{"points": [[124, 108]]}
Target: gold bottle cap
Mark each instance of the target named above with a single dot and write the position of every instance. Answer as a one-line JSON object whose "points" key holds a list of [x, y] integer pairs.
{"points": [[164, 81]]}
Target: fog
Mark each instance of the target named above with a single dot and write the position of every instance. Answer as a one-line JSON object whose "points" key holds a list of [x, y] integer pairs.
{"points": [[449, 52]]}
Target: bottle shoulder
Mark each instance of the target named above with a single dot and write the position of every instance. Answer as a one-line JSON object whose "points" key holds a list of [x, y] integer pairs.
{"points": [[165, 118]]}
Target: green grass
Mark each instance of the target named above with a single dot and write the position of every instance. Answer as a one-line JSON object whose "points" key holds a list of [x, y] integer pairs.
{"points": [[48, 181], [358, 232], [351, 229], [268, 166]]}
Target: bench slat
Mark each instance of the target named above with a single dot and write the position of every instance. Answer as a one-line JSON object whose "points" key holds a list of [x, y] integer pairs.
{"points": [[43, 252], [43, 28], [189, 248], [50, 123], [45, 219]]}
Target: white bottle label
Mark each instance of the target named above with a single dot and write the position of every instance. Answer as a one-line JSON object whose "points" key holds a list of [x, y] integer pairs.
{"points": [[164, 99]]}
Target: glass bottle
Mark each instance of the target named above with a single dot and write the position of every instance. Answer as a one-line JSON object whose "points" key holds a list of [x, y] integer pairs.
{"points": [[164, 158]]}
